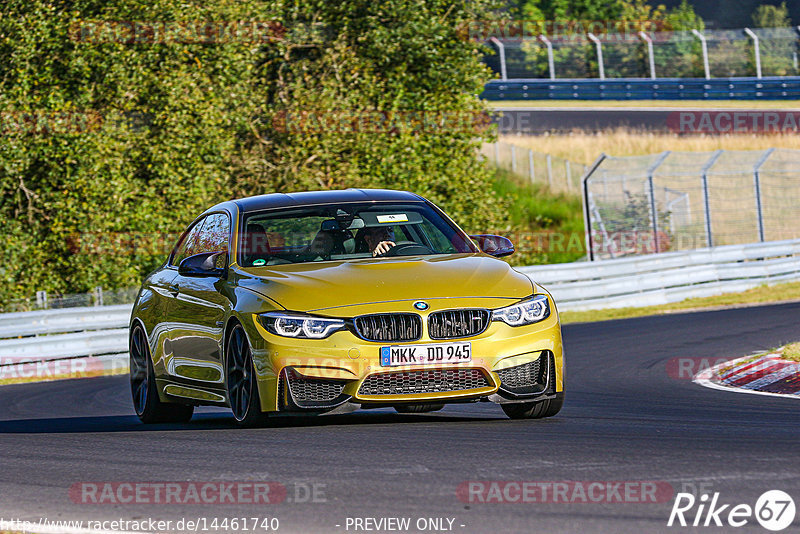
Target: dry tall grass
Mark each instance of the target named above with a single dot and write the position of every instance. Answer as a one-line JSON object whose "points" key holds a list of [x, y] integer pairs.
{"points": [[582, 147]]}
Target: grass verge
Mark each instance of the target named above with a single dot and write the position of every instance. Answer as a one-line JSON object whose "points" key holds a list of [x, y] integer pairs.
{"points": [[689, 104], [758, 295], [585, 147], [64, 376], [546, 227], [792, 352]]}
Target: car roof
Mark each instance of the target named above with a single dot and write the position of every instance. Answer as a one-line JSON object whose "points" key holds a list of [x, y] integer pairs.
{"points": [[311, 198]]}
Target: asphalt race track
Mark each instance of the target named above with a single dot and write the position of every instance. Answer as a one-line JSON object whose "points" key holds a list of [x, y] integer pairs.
{"points": [[625, 419]]}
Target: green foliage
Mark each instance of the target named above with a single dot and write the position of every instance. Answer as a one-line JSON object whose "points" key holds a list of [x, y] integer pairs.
{"points": [[769, 16], [578, 57], [187, 124], [545, 227]]}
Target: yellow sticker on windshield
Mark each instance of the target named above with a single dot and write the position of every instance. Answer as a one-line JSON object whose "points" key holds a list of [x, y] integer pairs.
{"points": [[396, 218]]}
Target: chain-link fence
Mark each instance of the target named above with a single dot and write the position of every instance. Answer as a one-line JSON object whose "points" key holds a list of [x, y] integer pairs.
{"points": [[559, 174], [690, 200], [680, 54], [44, 300]]}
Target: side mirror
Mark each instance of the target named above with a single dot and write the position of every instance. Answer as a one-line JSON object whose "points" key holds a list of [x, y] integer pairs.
{"points": [[203, 264], [494, 245]]}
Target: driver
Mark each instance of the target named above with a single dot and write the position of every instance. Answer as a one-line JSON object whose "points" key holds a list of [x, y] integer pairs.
{"points": [[379, 239]]}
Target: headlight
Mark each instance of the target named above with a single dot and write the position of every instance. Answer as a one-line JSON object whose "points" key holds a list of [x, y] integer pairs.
{"points": [[301, 326], [528, 311]]}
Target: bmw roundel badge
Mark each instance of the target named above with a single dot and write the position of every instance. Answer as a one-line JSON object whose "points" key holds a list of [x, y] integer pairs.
{"points": [[421, 306]]}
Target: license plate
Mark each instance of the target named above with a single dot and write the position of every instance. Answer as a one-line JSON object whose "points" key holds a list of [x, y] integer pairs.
{"points": [[432, 354]]}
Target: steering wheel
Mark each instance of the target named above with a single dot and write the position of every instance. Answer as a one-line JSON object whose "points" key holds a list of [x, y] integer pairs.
{"points": [[406, 248]]}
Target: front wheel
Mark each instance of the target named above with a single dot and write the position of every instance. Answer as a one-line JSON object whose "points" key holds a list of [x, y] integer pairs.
{"points": [[148, 406], [535, 410], [241, 380]]}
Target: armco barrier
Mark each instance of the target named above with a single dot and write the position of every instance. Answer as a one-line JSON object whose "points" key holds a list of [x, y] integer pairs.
{"points": [[99, 334], [770, 88], [67, 341], [668, 277], [64, 320]]}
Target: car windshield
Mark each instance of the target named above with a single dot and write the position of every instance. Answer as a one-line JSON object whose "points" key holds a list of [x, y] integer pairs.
{"points": [[345, 232]]}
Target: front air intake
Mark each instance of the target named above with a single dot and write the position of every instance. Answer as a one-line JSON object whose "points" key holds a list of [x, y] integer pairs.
{"points": [[389, 327], [451, 324]]}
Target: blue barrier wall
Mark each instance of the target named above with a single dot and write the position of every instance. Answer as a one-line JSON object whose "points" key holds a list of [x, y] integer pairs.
{"points": [[773, 88]]}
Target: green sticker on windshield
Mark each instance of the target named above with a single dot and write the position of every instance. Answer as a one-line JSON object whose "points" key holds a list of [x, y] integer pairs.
{"points": [[259, 263]]}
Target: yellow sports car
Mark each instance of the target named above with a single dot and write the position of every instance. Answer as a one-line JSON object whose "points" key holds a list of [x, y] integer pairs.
{"points": [[331, 301]]}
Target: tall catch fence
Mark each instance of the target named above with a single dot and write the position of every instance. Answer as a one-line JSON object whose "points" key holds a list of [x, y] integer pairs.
{"points": [[688, 200], [746, 52]]}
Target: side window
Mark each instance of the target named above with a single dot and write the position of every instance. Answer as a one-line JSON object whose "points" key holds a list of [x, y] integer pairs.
{"points": [[188, 245], [213, 236]]}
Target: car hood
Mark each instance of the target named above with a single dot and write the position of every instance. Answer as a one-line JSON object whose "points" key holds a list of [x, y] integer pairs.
{"points": [[334, 284]]}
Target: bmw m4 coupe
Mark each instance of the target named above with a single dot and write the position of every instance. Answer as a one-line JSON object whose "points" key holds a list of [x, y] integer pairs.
{"points": [[330, 301]]}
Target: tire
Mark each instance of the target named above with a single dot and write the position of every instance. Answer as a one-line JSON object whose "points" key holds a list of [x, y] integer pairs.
{"points": [[417, 408], [144, 392], [240, 380], [535, 410]]}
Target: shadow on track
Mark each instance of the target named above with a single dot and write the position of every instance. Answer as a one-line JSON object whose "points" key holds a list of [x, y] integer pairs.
{"points": [[219, 421]]}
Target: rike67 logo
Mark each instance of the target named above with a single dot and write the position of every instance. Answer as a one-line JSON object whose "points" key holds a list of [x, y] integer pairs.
{"points": [[774, 510]]}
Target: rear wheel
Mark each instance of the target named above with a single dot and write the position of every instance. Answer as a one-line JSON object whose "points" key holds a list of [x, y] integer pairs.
{"points": [[241, 380], [146, 403], [535, 410]]}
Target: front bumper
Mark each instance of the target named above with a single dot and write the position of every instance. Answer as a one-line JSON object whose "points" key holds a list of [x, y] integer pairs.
{"points": [[320, 375]]}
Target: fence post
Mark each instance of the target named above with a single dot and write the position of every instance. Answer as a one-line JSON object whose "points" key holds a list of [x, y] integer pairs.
{"points": [[497, 153], [530, 166], [41, 299], [569, 174], [757, 186], [704, 46], [710, 163], [587, 214], [501, 49], [97, 295], [592, 37], [514, 159], [653, 213], [551, 64], [756, 49], [646, 38], [549, 159]]}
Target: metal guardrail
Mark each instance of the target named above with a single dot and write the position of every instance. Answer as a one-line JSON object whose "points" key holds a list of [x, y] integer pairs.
{"points": [[64, 320], [96, 334], [63, 346], [772, 88], [49, 335], [668, 277]]}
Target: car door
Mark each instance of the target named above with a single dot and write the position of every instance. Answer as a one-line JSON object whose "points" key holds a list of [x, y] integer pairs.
{"points": [[199, 310]]}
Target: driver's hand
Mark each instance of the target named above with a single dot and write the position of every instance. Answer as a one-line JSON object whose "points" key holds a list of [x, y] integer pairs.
{"points": [[382, 248]]}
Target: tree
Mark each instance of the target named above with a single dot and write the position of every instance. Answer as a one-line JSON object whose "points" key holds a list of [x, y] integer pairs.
{"points": [[575, 55], [186, 122], [770, 16]]}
